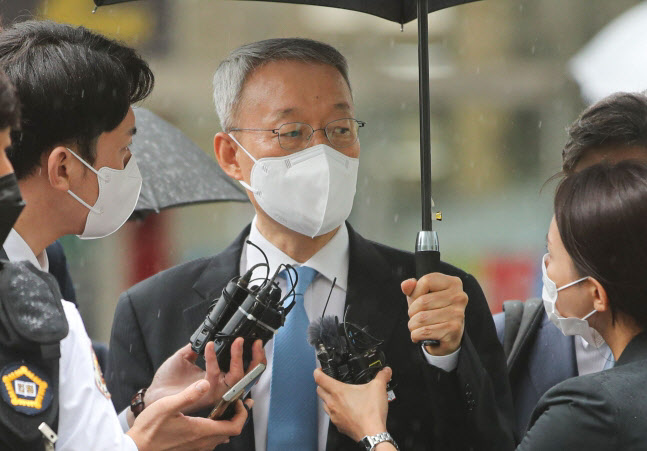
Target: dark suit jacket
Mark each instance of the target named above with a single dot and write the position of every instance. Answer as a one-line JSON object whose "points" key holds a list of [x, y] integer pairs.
{"points": [[58, 268], [547, 357], [599, 411], [467, 408]]}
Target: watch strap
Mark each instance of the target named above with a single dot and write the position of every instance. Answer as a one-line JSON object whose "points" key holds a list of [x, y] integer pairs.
{"points": [[137, 402], [371, 441]]}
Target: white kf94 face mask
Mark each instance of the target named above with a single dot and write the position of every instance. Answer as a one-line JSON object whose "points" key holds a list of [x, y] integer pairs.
{"points": [[118, 194], [568, 326], [310, 192]]}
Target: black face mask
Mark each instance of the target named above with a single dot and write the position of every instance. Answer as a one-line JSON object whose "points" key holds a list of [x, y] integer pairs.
{"points": [[11, 204]]}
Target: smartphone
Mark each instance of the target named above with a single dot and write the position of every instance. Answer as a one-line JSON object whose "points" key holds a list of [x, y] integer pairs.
{"points": [[224, 408]]}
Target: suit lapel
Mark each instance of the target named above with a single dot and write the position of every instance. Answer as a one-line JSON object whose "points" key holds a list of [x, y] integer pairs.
{"points": [[222, 268], [371, 288], [372, 297], [372, 301]]}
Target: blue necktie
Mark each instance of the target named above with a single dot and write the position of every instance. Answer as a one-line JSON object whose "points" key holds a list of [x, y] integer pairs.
{"points": [[292, 423]]}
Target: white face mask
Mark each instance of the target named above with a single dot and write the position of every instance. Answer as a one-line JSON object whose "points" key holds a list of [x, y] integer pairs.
{"points": [[310, 192], [118, 194], [568, 326]]}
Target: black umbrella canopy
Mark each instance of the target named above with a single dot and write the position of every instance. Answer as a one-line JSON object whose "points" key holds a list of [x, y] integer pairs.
{"points": [[400, 11], [175, 170]]}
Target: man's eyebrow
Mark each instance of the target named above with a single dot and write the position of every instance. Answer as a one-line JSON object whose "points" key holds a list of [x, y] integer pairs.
{"points": [[282, 113], [287, 111]]}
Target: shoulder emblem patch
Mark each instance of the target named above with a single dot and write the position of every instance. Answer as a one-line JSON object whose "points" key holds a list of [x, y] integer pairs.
{"points": [[25, 388], [98, 376]]}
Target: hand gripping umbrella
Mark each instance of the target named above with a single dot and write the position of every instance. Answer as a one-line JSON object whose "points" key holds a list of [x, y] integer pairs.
{"points": [[402, 11]]}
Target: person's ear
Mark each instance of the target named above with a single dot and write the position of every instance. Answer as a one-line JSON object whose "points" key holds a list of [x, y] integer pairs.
{"points": [[225, 149], [58, 165], [600, 297]]}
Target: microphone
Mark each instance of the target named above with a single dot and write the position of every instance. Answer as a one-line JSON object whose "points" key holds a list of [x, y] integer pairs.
{"points": [[244, 310], [323, 334], [347, 352], [221, 311]]}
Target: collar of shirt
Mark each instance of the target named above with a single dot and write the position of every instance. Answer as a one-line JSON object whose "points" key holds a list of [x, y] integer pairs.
{"points": [[589, 358], [17, 249], [331, 261]]}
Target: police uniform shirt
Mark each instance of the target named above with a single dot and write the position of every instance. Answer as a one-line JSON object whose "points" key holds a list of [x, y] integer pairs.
{"points": [[87, 418], [330, 262]]}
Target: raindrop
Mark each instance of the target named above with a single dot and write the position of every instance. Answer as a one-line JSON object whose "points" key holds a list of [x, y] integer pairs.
{"points": [[131, 348], [539, 125], [396, 218], [532, 50], [158, 313]]}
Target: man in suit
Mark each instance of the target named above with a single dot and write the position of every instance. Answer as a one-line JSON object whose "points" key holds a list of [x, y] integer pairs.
{"points": [[540, 356], [291, 139]]}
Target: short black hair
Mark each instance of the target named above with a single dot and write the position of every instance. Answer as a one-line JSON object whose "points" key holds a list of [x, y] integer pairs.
{"points": [[9, 105], [619, 120], [73, 85], [600, 214]]}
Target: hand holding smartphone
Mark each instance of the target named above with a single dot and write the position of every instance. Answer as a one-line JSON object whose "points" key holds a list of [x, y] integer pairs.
{"points": [[224, 409]]}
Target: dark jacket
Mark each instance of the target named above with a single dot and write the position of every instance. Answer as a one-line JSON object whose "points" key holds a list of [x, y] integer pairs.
{"points": [[599, 411], [467, 408], [544, 358], [59, 269]]}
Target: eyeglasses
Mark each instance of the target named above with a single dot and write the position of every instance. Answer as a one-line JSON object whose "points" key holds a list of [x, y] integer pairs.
{"points": [[295, 136]]}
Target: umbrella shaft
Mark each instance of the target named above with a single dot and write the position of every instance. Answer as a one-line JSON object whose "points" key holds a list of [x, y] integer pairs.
{"points": [[425, 121]]}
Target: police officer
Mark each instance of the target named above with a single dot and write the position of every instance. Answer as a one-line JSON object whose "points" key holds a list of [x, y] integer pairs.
{"points": [[77, 176]]}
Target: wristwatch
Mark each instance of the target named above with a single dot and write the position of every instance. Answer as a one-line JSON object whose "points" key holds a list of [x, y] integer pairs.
{"points": [[371, 441], [137, 402]]}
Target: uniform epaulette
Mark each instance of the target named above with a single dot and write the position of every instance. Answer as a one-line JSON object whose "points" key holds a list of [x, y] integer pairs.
{"points": [[32, 324]]}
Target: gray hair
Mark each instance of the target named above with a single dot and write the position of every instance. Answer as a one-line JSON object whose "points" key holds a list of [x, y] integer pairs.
{"points": [[232, 72]]}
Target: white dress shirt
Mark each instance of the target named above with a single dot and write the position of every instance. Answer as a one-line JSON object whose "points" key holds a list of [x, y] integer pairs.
{"points": [[330, 262], [589, 358], [87, 418]]}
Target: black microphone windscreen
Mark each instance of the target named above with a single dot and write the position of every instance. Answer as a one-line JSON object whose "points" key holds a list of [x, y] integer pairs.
{"points": [[324, 330]]}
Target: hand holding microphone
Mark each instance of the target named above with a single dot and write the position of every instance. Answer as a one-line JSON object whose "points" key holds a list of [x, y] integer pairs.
{"points": [[356, 410]]}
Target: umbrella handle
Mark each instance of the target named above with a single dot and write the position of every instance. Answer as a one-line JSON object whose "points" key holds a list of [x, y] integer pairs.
{"points": [[427, 261]]}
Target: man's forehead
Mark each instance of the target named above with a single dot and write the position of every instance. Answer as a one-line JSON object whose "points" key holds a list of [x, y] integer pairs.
{"points": [[282, 113]]}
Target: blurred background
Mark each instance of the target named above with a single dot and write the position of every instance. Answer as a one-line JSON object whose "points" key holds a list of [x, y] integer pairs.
{"points": [[502, 94]]}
